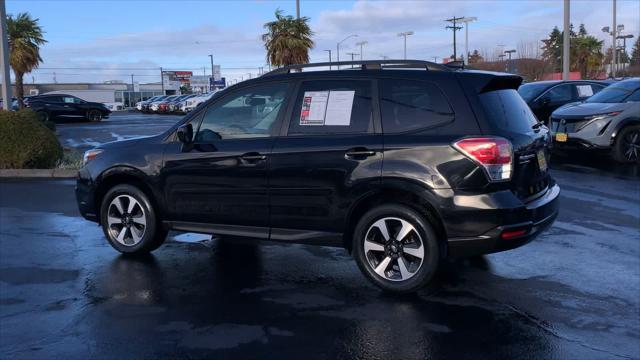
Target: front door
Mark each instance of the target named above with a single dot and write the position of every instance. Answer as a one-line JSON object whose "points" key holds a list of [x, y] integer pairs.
{"points": [[330, 156], [222, 177]]}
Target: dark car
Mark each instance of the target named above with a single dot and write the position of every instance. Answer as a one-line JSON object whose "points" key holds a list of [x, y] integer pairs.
{"points": [[403, 167], [543, 97], [55, 106], [609, 120]]}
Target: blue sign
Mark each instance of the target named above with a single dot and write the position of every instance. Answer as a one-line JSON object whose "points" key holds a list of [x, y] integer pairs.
{"points": [[220, 84]]}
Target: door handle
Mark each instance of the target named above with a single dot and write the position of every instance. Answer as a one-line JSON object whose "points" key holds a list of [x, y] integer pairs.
{"points": [[253, 156], [359, 153]]}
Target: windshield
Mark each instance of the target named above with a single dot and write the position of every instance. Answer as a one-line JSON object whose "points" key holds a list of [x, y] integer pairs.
{"points": [[615, 93], [530, 91]]}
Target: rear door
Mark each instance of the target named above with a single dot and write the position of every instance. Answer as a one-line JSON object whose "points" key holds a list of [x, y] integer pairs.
{"points": [[554, 98], [329, 155], [510, 117]]}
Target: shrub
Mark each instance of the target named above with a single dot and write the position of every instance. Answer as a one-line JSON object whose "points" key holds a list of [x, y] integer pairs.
{"points": [[25, 142]]}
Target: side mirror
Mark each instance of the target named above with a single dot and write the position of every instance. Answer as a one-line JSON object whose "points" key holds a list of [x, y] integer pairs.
{"points": [[185, 134]]}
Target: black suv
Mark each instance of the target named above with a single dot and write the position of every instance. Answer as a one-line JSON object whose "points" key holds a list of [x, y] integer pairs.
{"points": [[403, 163], [52, 106]]}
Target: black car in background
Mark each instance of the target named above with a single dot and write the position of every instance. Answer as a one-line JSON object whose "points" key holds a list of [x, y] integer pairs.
{"points": [[402, 167], [543, 97], [57, 106]]}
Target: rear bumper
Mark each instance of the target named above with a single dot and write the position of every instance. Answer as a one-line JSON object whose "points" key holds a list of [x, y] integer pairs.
{"points": [[526, 223]]}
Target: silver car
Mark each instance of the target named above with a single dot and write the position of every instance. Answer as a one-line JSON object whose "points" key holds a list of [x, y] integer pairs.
{"points": [[608, 120]]}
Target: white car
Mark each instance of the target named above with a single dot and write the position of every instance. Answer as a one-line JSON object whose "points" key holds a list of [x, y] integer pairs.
{"points": [[193, 103]]}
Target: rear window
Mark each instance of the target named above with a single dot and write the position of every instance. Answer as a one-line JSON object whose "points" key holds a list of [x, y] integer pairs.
{"points": [[508, 111]]}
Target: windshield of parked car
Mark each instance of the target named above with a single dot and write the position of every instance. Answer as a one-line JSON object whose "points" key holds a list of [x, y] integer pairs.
{"points": [[531, 91], [615, 93]]}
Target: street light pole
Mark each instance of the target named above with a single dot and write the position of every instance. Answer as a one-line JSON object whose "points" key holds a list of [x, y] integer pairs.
{"points": [[212, 76], [614, 46], [509, 66], [329, 51], [466, 21], [352, 55], [405, 34], [338, 46], [565, 42], [162, 80], [4, 58]]}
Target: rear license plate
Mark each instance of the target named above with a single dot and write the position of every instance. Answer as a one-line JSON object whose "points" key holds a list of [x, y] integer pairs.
{"points": [[561, 137], [542, 161]]}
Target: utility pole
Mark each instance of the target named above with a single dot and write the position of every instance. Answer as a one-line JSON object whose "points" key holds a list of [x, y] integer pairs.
{"points": [[509, 65], [329, 51], [162, 80], [455, 28], [4, 58], [297, 9], [132, 90], [565, 42], [352, 55], [211, 82], [614, 46], [435, 59], [466, 21], [361, 43], [405, 34], [338, 46]]}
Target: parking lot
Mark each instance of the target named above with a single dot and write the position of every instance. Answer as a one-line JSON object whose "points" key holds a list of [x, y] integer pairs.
{"points": [[572, 293]]}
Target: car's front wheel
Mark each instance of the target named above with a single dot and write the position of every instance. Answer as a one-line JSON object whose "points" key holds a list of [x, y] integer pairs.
{"points": [[627, 146], [129, 221], [396, 248], [94, 115]]}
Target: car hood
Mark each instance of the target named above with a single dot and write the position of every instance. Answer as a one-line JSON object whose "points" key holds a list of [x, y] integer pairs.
{"points": [[586, 109], [121, 144]]}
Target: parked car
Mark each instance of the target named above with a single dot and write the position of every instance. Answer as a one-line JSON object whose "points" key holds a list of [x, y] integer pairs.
{"points": [[196, 101], [55, 106], [543, 97], [146, 106], [14, 104], [165, 106], [175, 105], [141, 104], [609, 120], [436, 163]]}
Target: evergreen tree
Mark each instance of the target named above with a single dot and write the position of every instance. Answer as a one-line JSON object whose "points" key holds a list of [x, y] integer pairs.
{"points": [[635, 53]]}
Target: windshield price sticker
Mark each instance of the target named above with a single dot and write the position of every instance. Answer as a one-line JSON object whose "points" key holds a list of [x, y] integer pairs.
{"points": [[330, 108]]}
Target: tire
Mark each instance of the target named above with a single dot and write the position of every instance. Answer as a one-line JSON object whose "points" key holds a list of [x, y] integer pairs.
{"points": [[43, 116], [94, 115], [626, 148], [143, 232], [419, 236]]}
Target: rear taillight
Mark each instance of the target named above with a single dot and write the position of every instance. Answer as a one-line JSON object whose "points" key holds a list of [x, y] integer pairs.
{"points": [[494, 154]]}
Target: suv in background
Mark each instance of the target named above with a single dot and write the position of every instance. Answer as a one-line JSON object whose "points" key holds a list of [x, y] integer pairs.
{"points": [[402, 166], [54, 106], [543, 97], [609, 120]]}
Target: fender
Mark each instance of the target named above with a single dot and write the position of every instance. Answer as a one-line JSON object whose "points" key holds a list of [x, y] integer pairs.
{"points": [[632, 120]]}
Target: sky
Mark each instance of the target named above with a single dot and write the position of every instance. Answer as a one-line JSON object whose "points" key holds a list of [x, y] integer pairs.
{"points": [[95, 41]]}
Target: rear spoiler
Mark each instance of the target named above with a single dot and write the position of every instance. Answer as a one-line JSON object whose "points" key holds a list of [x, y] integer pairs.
{"points": [[485, 81]]}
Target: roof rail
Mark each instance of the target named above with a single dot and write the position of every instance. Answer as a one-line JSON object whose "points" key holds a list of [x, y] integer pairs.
{"points": [[365, 65]]}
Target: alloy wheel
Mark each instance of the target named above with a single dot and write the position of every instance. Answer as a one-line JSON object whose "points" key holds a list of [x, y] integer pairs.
{"points": [[631, 145], [126, 220], [394, 249]]}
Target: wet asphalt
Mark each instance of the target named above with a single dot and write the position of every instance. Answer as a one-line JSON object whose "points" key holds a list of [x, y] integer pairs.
{"points": [[573, 293]]}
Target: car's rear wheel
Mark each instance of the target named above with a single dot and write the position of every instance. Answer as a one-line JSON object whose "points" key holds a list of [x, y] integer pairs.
{"points": [[129, 221], [627, 145], [396, 248], [94, 115]]}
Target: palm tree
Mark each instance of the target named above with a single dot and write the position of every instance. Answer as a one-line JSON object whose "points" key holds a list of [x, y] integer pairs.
{"points": [[25, 38], [287, 40]]}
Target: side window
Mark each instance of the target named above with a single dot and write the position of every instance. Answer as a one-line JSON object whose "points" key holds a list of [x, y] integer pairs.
{"points": [[560, 93], [68, 100], [409, 105], [635, 97], [332, 107], [245, 113]]}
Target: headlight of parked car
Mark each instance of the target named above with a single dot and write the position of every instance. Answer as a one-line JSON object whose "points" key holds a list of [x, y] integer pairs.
{"points": [[90, 155], [600, 120]]}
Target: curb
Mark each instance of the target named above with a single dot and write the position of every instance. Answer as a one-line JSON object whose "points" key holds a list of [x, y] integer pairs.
{"points": [[39, 173]]}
